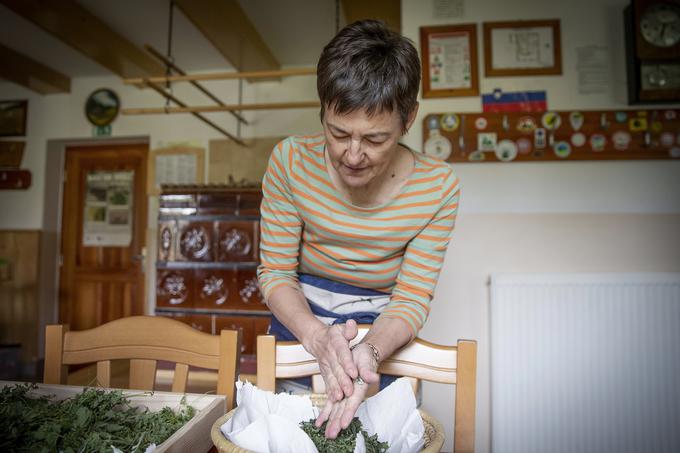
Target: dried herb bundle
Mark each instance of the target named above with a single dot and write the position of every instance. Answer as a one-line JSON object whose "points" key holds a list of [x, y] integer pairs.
{"points": [[92, 421], [346, 440]]}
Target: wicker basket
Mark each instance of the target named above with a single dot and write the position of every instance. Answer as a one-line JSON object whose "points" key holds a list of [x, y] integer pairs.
{"points": [[434, 435]]}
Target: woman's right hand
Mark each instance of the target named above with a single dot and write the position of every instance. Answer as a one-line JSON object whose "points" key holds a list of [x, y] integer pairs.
{"points": [[330, 346]]}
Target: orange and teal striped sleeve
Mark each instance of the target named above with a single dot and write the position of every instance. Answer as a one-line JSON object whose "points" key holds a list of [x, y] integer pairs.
{"points": [[398, 248]]}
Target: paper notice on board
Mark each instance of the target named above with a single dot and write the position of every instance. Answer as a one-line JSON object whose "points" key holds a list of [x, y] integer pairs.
{"points": [[593, 69], [175, 169], [108, 216], [450, 64], [522, 48]]}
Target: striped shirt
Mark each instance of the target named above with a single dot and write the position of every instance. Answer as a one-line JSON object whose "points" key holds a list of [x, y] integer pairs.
{"points": [[307, 226]]}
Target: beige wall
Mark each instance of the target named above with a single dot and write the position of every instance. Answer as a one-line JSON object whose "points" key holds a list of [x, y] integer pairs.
{"points": [[507, 243], [542, 217]]}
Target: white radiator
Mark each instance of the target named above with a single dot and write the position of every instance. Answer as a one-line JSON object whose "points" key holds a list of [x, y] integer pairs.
{"points": [[585, 363]]}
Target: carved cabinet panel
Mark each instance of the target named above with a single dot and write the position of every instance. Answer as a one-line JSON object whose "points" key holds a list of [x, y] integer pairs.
{"points": [[174, 288], [195, 241], [208, 252]]}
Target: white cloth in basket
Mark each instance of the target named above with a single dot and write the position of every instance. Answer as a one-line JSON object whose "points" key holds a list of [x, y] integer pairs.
{"points": [[265, 422]]}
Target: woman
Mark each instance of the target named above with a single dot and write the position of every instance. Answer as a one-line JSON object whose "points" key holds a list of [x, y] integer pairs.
{"points": [[354, 224]]}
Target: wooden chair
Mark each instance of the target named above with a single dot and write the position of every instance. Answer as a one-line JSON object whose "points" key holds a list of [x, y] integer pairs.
{"points": [[144, 340], [421, 360]]}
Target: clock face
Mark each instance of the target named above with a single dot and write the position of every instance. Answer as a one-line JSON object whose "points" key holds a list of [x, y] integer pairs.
{"points": [[660, 25]]}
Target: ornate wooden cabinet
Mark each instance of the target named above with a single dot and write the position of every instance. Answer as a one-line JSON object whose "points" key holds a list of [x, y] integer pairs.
{"points": [[208, 249]]}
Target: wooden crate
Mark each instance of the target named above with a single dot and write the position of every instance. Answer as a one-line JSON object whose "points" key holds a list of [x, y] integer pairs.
{"points": [[193, 436]]}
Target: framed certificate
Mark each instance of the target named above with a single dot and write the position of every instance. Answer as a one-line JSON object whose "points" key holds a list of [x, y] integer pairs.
{"points": [[449, 60], [520, 48]]}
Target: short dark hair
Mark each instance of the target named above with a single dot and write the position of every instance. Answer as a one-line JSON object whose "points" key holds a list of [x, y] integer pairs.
{"points": [[368, 66]]}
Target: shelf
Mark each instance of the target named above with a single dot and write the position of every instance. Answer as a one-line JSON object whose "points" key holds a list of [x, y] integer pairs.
{"points": [[203, 265], [208, 311], [207, 217], [14, 179]]}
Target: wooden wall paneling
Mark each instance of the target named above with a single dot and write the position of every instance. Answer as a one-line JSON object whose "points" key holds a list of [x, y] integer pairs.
{"points": [[19, 323]]}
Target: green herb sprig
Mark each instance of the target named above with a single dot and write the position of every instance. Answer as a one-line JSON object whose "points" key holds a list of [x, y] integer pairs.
{"points": [[92, 421], [346, 440]]}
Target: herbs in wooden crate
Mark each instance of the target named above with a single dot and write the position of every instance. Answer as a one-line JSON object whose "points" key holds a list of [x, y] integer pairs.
{"points": [[346, 440], [93, 421]]}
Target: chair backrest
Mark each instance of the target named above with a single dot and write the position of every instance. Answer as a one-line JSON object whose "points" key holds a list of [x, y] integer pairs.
{"points": [[421, 360], [144, 340]]}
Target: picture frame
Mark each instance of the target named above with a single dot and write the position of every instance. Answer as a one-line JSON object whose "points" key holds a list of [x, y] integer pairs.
{"points": [[13, 118], [521, 48], [449, 60]]}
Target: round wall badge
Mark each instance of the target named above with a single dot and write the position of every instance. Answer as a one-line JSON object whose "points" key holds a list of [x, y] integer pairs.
{"points": [[578, 139], [506, 150], [562, 149], [526, 124], [450, 121], [576, 120], [656, 126], [621, 117], [476, 156], [102, 106], [598, 142], [621, 140], [670, 114], [667, 139], [438, 146], [433, 123], [524, 145], [481, 123], [551, 120]]}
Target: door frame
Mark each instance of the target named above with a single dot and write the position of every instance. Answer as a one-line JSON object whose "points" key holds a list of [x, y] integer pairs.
{"points": [[50, 235]]}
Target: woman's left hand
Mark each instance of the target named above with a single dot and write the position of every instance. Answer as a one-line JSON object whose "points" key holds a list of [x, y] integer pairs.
{"points": [[340, 414]]}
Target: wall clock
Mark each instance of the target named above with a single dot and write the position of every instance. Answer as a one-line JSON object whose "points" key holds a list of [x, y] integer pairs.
{"points": [[101, 107], [652, 30]]}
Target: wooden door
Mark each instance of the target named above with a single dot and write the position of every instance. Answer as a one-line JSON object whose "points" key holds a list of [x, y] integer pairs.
{"points": [[103, 234]]}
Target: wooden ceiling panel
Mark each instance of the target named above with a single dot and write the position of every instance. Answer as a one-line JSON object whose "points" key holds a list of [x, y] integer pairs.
{"points": [[29, 73], [227, 27], [389, 11], [74, 25]]}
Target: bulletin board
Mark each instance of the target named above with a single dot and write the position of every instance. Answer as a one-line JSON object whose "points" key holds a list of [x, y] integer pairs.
{"points": [[556, 135], [175, 165]]}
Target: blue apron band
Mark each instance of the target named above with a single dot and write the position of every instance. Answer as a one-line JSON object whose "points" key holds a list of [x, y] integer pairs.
{"points": [[338, 287]]}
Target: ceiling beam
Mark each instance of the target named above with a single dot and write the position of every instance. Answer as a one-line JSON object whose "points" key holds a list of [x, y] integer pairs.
{"points": [[227, 27], [389, 11], [71, 23], [35, 76]]}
